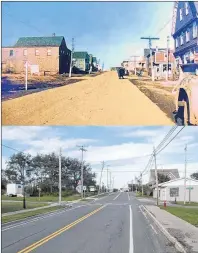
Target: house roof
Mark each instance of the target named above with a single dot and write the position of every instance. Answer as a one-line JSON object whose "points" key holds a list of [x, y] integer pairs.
{"points": [[53, 41], [172, 173], [80, 55], [179, 181]]}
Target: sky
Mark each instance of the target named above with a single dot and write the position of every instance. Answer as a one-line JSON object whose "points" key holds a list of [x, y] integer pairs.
{"points": [[125, 150], [109, 30]]}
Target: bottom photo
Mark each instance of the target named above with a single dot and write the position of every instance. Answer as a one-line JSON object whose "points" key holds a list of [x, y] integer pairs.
{"points": [[99, 189]]}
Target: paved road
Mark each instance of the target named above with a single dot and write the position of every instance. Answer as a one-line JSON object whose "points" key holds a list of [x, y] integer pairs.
{"points": [[101, 100], [112, 224]]}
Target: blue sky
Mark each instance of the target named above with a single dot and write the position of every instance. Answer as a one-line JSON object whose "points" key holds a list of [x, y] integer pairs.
{"points": [[119, 147], [109, 30]]}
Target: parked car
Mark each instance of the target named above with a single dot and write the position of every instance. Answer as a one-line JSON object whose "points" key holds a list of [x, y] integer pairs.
{"points": [[186, 99]]}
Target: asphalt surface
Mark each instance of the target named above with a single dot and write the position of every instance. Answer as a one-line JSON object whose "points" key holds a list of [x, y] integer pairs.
{"points": [[111, 224]]}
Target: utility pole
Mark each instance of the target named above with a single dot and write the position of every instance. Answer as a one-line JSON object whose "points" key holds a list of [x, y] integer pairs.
{"points": [[156, 175], [132, 184], [103, 164], [150, 45], [81, 148], [134, 56], [185, 174], [24, 202], [113, 183], [26, 75], [71, 63], [107, 180], [168, 39], [142, 185], [60, 177], [110, 180]]}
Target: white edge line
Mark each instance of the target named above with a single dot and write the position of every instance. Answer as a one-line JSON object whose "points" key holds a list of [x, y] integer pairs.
{"points": [[177, 245], [128, 196], [131, 230]]}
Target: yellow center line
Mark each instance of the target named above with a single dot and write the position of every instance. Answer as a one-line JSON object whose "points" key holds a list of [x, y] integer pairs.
{"points": [[58, 232]]}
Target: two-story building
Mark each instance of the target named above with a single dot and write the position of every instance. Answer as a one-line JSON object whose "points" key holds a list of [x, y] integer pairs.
{"points": [[48, 55], [160, 60], [185, 34], [81, 61]]}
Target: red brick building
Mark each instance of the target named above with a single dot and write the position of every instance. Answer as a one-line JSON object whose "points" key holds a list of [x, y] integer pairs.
{"points": [[49, 55]]}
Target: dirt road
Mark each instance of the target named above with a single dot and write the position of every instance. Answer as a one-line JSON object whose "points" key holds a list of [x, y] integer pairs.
{"points": [[101, 100]]}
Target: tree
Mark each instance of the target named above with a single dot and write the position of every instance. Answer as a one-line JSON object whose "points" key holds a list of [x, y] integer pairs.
{"points": [[16, 166], [194, 175], [162, 178]]}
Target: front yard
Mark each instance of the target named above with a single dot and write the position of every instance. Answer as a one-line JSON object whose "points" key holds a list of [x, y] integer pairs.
{"points": [[188, 214]]}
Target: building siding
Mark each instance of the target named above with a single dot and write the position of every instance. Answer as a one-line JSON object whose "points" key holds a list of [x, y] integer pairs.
{"points": [[54, 60]]}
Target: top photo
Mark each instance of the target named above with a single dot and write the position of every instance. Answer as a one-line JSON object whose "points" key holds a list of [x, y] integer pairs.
{"points": [[99, 63]]}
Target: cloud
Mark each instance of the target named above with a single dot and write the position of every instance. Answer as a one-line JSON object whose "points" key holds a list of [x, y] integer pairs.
{"points": [[22, 133], [48, 145]]}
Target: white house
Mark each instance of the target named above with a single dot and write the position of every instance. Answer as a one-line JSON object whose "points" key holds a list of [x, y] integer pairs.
{"points": [[175, 189]]}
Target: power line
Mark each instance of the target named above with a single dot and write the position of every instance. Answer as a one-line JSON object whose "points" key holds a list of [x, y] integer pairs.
{"points": [[170, 140], [11, 148], [24, 22], [163, 27]]}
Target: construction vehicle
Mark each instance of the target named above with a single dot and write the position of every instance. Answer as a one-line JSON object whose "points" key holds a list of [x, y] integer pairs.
{"points": [[186, 99]]}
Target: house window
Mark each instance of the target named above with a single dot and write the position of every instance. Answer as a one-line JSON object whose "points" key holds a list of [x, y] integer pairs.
{"points": [[186, 8], [11, 52], [194, 29], [37, 52], [187, 36], [49, 52], [174, 192], [182, 39], [19, 186], [25, 52], [180, 14], [176, 42]]}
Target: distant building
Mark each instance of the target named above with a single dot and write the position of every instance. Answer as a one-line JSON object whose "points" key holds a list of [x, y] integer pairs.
{"points": [[171, 173], [160, 62], [130, 65], [49, 55], [185, 34], [174, 190], [81, 61]]}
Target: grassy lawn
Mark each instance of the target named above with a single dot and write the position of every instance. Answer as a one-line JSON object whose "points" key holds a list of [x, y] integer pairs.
{"points": [[29, 214], [187, 204], [188, 214], [16, 206], [46, 198]]}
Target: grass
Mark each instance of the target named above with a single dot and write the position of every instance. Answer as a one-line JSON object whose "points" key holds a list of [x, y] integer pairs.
{"points": [[187, 204], [16, 206], [188, 214], [29, 214], [47, 198]]}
